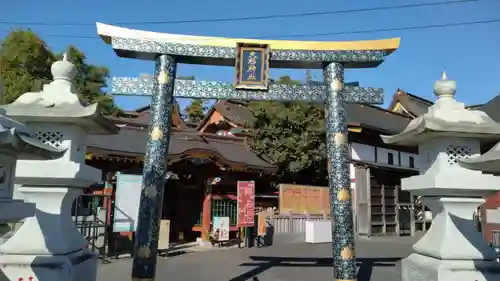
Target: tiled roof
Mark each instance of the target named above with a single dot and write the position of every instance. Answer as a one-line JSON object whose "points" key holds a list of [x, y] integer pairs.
{"points": [[376, 118], [140, 117], [415, 105], [132, 141], [234, 111], [491, 108], [366, 115], [418, 106]]}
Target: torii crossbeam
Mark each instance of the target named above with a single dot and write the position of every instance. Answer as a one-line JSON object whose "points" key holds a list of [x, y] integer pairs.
{"points": [[252, 59]]}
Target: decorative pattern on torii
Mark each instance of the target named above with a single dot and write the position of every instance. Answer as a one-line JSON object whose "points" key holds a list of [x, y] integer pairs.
{"points": [[167, 50]]}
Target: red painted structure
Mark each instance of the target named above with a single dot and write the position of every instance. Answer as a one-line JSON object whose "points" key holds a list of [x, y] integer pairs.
{"points": [[206, 220], [492, 202]]}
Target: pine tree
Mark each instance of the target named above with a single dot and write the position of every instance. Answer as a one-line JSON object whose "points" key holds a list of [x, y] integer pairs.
{"points": [[195, 111], [290, 135]]}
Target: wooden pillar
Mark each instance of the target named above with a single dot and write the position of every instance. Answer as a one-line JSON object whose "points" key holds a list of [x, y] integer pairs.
{"points": [[206, 215]]}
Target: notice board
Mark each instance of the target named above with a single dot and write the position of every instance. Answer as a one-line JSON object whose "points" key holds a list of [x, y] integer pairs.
{"points": [[222, 224], [304, 199], [127, 199]]}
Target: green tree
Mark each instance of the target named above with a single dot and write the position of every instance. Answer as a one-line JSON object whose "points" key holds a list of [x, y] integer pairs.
{"points": [[25, 62], [90, 81], [287, 80], [290, 135], [195, 111]]}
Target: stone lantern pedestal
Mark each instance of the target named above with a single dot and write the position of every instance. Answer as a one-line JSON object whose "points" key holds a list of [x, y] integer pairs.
{"points": [[48, 246], [452, 249]]}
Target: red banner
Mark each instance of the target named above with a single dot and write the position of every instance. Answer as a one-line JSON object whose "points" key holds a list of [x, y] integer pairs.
{"points": [[246, 203]]}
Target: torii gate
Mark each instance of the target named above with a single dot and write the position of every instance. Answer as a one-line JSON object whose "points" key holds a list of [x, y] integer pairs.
{"points": [[252, 60]]}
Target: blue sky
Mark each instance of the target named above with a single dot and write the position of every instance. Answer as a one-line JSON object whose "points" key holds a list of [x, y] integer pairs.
{"points": [[469, 54]]}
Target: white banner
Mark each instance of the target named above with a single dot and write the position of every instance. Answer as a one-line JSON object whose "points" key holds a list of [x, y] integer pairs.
{"points": [[127, 199], [221, 226]]}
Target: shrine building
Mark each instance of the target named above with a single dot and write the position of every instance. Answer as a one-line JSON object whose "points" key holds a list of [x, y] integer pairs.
{"points": [[209, 158]]}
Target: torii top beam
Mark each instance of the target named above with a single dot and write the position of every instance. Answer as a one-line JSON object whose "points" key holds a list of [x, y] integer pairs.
{"points": [[139, 44]]}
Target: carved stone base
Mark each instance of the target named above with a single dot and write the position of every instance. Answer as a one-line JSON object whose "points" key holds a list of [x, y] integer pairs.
{"points": [[52, 230], [79, 266], [422, 268]]}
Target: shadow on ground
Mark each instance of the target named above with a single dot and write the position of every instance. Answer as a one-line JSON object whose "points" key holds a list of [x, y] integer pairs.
{"points": [[262, 264], [177, 250]]}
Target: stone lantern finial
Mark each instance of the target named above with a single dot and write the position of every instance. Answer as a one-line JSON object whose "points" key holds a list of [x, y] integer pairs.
{"points": [[444, 87], [63, 69]]}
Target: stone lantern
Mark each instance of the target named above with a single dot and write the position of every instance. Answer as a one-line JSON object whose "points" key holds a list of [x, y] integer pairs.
{"points": [[452, 249], [48, 245], [18, 142]]}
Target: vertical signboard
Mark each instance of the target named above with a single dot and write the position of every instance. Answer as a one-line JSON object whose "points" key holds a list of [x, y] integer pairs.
{"points": [[127, 198], [246, 203]]}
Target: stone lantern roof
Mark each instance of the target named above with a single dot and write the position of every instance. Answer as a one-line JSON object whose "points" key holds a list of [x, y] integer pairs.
{"points": [[17, 139], [59, 102], [488, 162], [446, 118]]}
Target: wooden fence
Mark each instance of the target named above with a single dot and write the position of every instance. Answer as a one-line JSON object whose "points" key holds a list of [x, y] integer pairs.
{"points": [[291, 223]]}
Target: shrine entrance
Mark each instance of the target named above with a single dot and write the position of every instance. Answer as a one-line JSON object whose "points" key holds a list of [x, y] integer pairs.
{"points": [[252, 60]]}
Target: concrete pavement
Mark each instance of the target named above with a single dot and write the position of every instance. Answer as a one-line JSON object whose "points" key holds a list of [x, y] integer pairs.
{"points": [[378, 260]]}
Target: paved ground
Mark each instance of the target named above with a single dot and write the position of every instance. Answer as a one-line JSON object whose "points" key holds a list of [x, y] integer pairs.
{"points": [[378, 260]]}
